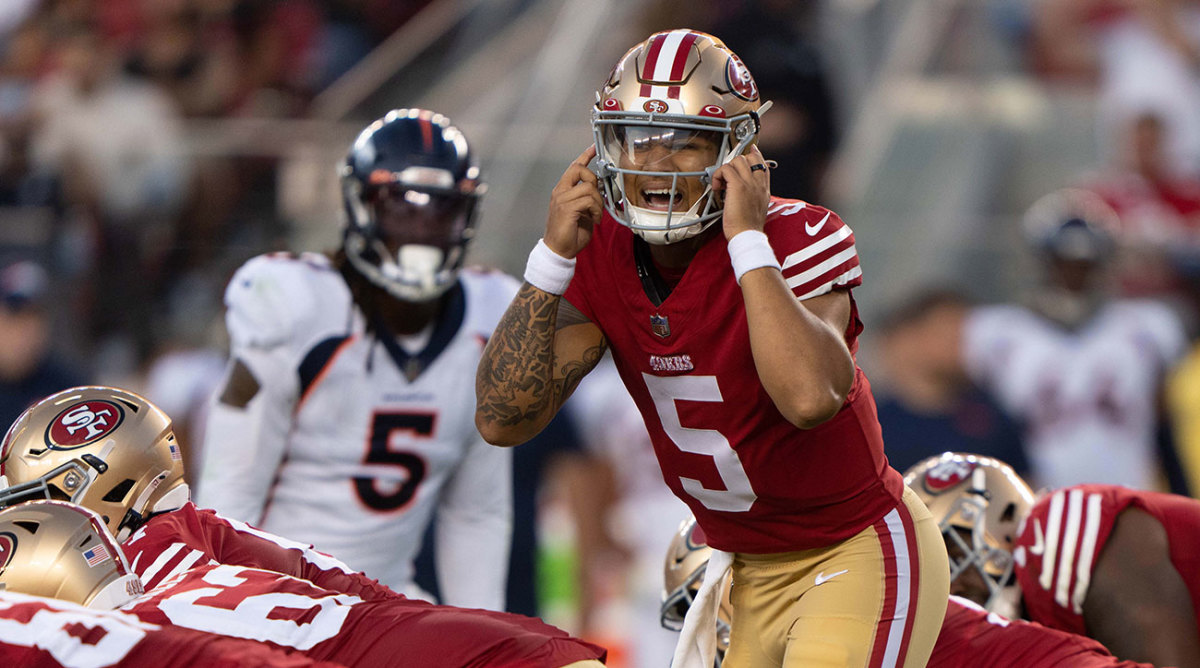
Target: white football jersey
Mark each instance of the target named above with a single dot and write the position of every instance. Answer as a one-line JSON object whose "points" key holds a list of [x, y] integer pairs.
{"points": [[341, 450], [1088, 397]]}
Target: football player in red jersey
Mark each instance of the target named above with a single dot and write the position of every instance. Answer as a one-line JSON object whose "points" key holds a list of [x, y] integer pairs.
{"points": [[730, 318], [1113, 563], [970, 637], [241, 605], [56, 558], [114, 452]]}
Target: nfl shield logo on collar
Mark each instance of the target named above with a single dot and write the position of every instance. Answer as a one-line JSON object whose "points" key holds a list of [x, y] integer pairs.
{"points": [[660, 326]]}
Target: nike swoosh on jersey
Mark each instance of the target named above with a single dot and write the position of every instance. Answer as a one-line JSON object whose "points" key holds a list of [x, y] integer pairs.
{"points": [[822, 578], [813, 229]]}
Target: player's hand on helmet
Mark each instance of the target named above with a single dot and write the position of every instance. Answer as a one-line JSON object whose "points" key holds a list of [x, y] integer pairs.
{"points": [[745, 185], [575, 207]]}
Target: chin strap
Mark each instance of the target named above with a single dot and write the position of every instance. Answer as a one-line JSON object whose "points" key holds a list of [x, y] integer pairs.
{"points": [[697, 646]]}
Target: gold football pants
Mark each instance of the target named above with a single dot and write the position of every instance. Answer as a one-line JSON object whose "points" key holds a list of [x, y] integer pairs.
{"points": [[874, 600]]}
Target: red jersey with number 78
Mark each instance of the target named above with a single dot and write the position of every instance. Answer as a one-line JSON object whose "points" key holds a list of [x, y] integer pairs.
{"points": [[755, 482]]}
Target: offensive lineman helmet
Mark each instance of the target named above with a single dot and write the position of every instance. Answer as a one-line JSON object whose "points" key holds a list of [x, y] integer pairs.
{"points": [[108, 450], [683, 572], [674, 109], [410, 186], [63, 551], [979, 503]]}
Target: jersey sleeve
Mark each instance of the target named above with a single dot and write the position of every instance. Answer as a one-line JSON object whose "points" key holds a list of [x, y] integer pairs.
{"points": [[815, 248], [474, 529], [237, 544], [244, 445], [176, 541], [973, 637], [1057, 550], [1163, 333]]}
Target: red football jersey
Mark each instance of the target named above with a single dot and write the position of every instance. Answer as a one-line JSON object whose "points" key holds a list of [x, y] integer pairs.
{"points": [[296, 615], [973, 638], [755, 482], [43, 633], [1065, 532], [173, 542]]}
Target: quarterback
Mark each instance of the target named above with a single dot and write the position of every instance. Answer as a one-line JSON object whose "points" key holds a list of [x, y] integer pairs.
{"points": [[730, 318], [1113, 563], [345, 420]]}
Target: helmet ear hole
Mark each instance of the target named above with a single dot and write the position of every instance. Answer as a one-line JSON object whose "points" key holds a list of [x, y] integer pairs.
{"points": [[31, 527], [118, 493]]}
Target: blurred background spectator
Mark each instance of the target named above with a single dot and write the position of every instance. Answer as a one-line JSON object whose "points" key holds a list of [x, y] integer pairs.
{"points": [[926, 403], [30, 368]]}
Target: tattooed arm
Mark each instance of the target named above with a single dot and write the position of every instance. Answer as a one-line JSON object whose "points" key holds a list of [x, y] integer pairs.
{"points": [[543, 345], [539, 352]]}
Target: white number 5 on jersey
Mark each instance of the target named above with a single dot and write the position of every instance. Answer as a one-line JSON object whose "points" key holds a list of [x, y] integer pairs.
{"points": [[737, 496]]}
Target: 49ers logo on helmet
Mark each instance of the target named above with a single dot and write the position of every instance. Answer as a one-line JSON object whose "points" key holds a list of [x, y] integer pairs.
{"points": [[655, 107], [947, 474], [739, 79], [8, 546], [696, 537], [83, 423]]}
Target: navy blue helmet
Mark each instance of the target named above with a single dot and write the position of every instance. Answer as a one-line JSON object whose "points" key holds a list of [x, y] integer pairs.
{"points": [[411, 187]]}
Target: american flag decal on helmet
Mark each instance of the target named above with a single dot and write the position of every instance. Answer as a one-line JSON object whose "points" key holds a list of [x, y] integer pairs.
{"points": [[96, 555], [665, 67]]}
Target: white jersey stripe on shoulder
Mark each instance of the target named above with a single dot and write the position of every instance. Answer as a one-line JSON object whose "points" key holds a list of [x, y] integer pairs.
{"points": [[184, 564], [1053, 527], [1066, 560], [163, 559], [1087, 551], [819, 246], [815, 272], [309, 553], [904, 569], [845, 278], [787, 208]]}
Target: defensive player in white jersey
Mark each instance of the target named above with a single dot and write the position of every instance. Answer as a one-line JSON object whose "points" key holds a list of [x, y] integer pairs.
{"points": [[346, 418], [1082, 370]]}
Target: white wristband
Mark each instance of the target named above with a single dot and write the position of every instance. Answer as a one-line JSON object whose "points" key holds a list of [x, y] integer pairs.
{"points": [[547, 270], [750, 250]]}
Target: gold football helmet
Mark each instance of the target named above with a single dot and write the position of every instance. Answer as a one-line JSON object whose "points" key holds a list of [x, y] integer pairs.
{"points": [[674, 93], [106, 449], [683, 572], [979, 503], [60, 550]]}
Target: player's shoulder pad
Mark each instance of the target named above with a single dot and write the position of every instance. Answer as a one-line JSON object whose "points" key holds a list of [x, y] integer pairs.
{"points": [[488, 293], [272, 296], [794, 224]]}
